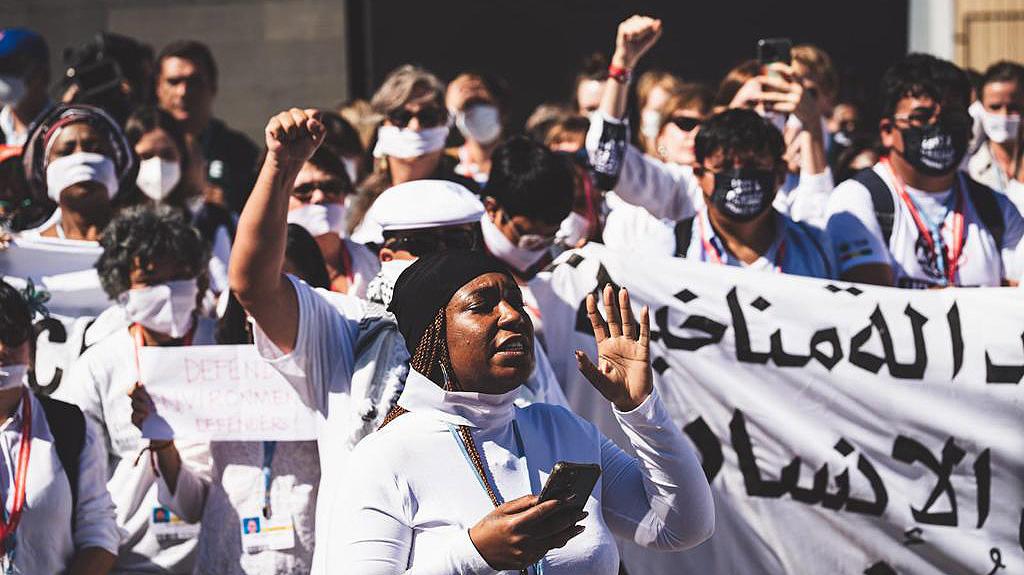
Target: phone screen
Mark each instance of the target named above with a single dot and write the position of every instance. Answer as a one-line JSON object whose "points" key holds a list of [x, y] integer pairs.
{"points": [[772, 50]]}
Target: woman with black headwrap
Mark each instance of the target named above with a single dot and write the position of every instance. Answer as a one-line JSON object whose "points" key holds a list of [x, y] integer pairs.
{"points": [[450, 482]]}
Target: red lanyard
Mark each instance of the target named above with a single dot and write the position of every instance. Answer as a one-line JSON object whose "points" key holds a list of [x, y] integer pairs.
{"points": [[8, 527], [951, 256], [715, 258]]}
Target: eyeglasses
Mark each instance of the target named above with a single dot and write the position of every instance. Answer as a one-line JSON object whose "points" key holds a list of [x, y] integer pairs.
{"points": [[428, 116], [919, 117], [332, 189], [685, 123], [423, 243]]}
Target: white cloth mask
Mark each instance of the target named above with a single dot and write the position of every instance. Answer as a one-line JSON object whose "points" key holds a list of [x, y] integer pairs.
{"points": [[319, 219], [405, 143], [12, 90], [1000, 128], [382, 286], [79, 167], [157, 177], [14, 375], [650, 124], [502, 248], [164, 308], [481, 122], [573, 229]]}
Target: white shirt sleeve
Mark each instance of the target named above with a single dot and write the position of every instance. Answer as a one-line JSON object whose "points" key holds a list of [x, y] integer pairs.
{"points": [[381, 507], [95, 520], [1013, 240], [853, 228], [808, 201], [194, 477], [324, 343], [661, 498], [664, 190]]}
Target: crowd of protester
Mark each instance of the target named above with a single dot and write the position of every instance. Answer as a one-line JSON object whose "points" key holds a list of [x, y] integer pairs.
{"points": [[380, 257]]}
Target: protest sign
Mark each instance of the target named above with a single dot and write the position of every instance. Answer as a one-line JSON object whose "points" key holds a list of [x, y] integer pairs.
{"points": [[843, 428], [221, 393]]}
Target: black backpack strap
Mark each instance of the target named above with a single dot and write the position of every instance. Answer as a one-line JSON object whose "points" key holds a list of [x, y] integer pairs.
{"points": [[67, 425], [881, 198], [985, 203], [210, 218], [683, 231]]}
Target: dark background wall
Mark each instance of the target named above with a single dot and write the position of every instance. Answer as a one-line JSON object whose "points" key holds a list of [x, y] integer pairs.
{"points": [[537, 45]]}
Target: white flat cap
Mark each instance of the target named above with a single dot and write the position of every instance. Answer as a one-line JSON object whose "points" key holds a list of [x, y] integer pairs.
{"points": [[419, 204]]}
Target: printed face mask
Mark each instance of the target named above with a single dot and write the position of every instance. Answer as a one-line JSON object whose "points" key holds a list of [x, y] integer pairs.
{"points": [[14, 375], [405, 143], [164, 308], [79, 167], [1000, 128], [319, 219], [157, 177], [936, 149], [743, 194], [481, 123], [382, 286], [502, 248], [12, 90]]}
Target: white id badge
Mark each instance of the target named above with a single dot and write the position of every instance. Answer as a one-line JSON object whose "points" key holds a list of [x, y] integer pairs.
{"points": [[169, 528], [262, 534]]}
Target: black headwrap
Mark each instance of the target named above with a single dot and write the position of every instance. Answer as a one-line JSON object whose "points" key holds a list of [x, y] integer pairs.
{"points": [[429, 284]]}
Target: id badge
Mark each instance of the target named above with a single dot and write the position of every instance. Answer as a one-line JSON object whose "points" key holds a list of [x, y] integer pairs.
{"points": [[169, 528], [262, 534]]}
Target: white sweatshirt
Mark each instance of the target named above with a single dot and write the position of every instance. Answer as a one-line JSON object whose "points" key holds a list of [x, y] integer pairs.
{"points": [[410, 495]]}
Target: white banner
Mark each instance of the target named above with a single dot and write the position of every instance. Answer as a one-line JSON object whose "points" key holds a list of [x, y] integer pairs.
{"points": [[844, 429], [221, 393], [63, 268]]}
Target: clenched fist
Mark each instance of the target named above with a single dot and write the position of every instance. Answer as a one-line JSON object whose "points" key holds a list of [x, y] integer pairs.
{"points": [[635, 37], [292, 136]]}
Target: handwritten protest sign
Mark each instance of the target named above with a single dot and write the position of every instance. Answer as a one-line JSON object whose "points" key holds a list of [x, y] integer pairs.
{"points": [[221, 393]]}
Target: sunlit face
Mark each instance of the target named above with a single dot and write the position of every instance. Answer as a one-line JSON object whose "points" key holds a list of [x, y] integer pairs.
{"points": [[588, 96], [1002, 98], [76, 138], [157, 144], [316, 186], [490, 335], [675, 143], [917, 111], [184, 90]]}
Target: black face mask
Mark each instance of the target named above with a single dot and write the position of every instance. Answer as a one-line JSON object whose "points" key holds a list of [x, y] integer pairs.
{"points": [[936, 149], [743, 194]]}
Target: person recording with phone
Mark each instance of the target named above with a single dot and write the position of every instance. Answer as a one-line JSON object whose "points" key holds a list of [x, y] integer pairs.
{"points": [[473, 462]]}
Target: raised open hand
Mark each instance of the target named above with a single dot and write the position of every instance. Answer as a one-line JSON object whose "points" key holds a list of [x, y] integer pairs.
{"points": [[623, 371], [634, 38], [293, 135]]}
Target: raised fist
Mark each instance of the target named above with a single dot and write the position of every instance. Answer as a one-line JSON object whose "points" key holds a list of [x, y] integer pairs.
{"points": [[635, 37], [294, 135]]}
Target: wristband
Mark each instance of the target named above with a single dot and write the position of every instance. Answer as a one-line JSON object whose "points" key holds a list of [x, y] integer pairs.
{"points": [[620, 75]]}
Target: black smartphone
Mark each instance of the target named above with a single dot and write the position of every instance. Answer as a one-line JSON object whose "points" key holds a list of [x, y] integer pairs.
{"points": [[772, 50], [571, 482]]}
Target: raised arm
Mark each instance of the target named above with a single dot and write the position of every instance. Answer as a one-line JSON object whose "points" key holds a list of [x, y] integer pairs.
{"points": [[635, 37], [258, 256]]}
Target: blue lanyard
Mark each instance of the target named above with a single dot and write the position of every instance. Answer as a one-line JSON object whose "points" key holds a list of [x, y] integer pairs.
{"points": [[538, 567], [935, 228], [269, 447]]}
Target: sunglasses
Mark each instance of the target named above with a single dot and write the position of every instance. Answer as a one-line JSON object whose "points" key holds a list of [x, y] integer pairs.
{"points": [[333, 189], [428, 117], [427, 242], [685, 123], [918, 117]]}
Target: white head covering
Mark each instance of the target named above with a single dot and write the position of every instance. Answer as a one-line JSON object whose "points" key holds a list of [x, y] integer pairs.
{"points": [[419, 204]]}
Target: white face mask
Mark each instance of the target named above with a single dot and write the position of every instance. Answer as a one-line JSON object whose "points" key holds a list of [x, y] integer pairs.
{"points": [[79, 167], [319, 219], [14, 375], [1000, 128], [164, 308], [157, 177], [573, 229], [405, 143], [382, 286], [481, 122], [650, 124], [502, 248], [12, 90]]}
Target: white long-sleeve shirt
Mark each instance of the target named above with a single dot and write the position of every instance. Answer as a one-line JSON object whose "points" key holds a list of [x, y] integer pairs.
{"points": [[46, 541], [410, 495], [99, 383]]}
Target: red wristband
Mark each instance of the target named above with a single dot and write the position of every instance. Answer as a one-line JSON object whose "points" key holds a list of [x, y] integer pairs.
{"points": [[620, 75]]}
